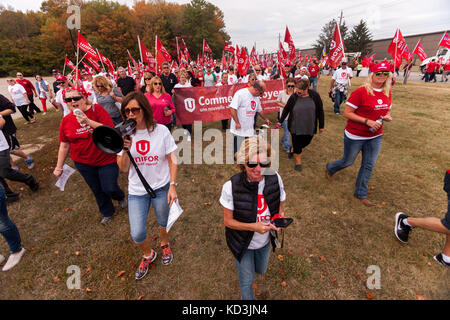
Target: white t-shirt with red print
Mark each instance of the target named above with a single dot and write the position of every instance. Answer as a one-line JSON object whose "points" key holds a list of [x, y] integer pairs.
{"points": [[342, 76], [246, 106], [263, 213], [149, 151], [367, 106], [17, 92]]}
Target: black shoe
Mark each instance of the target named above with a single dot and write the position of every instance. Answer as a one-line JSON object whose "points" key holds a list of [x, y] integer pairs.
{"points": [[12, 197], [298, 167], [32, 183], [401, 230], [439, 259]]}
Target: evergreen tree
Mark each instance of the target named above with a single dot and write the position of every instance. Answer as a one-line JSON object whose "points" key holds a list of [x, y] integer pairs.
{"points": [[360, 39]]}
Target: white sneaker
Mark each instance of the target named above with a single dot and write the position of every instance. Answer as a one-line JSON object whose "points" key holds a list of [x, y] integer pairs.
{"points": [[13, 260], [2, 258]]}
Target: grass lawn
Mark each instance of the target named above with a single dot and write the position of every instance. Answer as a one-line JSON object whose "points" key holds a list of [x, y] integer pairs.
{"points": [[327, 250]]}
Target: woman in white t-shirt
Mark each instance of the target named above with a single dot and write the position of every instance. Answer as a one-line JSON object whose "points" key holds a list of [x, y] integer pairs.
{"points": [[184, 83], [249, 232], [20, 99], [152, 148]]}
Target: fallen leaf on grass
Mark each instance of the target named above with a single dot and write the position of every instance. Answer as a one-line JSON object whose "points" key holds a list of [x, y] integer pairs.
{"points": [[281, 271], [369, 295], [56, 278], [322, 276], [56, 252], [77, 253], [334, 212], [284, 284], [280, 257], [207, 204], [255, 286], [419, 297], [333, 280], [323, 259], [290, 252], [418, 176], [140, 297], [312, 255], [429, 263], [121, 273], [87, 271], [257, 293], [357, 275], [88, 289]]}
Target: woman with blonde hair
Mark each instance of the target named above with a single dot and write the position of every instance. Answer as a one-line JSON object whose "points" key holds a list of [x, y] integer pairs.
{"points": [[250, 201], [161, 103], [146, 82], [367, 109], [107, 96]]}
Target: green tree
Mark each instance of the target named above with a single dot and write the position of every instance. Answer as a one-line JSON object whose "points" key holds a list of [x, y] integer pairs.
{"points": [[360, 39]]}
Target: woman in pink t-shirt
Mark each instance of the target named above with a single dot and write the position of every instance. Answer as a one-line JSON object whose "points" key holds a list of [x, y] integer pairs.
{"points": [[161, 103]]}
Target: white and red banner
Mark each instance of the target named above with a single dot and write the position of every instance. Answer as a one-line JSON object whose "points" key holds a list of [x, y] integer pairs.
{"points": [[84, 45], [445, 41], [419, 51], [336, 52], [208, 104]]}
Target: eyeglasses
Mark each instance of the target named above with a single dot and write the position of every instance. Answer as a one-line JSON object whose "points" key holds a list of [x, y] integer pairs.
{"points": [[78, 98], [157, 84], [384, 73], [134, 110], [261, 164]]}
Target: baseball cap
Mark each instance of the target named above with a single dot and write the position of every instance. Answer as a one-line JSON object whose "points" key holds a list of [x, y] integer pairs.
{"points": [[381, 66], [54, 71]]}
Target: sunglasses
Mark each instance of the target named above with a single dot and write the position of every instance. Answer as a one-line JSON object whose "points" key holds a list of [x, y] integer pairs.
{"points": [[291, 86], [78, 98], [165, 67], [384, 73], [134, 110], [261, 164], [100, 86], [157, 84], [257, 69], [147, 79]]}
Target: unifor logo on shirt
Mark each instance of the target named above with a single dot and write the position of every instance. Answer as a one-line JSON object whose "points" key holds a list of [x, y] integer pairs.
{"points": [[253, 105], [262, 208], [143, 147], [344, 74]]}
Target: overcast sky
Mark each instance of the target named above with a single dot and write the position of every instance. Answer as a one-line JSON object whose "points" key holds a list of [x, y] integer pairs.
{"points": [[249, 21]]}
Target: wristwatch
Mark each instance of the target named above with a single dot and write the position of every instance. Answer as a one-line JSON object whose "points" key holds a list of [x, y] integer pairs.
{"points": [[173, 184]]}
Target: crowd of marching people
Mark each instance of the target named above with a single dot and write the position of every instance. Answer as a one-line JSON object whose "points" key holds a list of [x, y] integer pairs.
{"points": [[147, 98]]}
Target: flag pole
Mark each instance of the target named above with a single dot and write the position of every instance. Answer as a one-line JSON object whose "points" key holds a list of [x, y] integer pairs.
{"points": [[101, 60], [156, 54], [140, 50], [395, 55], [78, 55], [178, 50], [64, 67], [414, 63]]}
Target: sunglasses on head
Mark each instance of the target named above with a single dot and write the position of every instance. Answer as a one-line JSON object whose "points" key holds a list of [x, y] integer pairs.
{"points": [[384, 73], [134, 110], [261, 164], [78, 98]]}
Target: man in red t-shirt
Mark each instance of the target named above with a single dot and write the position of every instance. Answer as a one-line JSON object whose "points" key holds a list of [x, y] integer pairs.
{"points": [[314, 74], [431, 70], [446, 71], [31, 92]]}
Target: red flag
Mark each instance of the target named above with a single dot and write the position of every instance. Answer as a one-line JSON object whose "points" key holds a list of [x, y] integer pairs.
{"points": [[420, 52], [224, 63], [146, 55], [406, 54], [299, 55], [186, 51], [85, 46], [136, 66], [94, 62], [206, 48], [228, 48], [69, 63], [290, 42], [243, 63], [174, 65], [106, 62], [87, 67], [129, 68], [283, 52], [397, 47], [336, 52], [238, 53], [445, 41], [161, 53]]}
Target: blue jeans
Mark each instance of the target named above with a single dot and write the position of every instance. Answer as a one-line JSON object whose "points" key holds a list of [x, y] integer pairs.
{"points": [[370, 150], [138, 207], [338, 100], [285, 141], [252, 261], [313, 81], [103, 183], [7, 228]]}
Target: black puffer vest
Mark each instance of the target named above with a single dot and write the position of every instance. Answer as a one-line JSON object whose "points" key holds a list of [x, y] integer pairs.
{"points": [[245, 201]]}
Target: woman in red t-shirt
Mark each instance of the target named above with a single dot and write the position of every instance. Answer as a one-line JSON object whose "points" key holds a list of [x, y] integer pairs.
{"points": [[367, 108], [99, 170]]}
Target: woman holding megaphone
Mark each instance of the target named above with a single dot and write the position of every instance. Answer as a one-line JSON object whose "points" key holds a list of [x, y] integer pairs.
{"points": [[152, 148], [99, 169]]}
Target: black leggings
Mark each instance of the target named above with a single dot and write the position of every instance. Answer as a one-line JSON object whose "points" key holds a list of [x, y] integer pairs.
{"points": [[25, 113], [300, 141], [32, 107]]}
